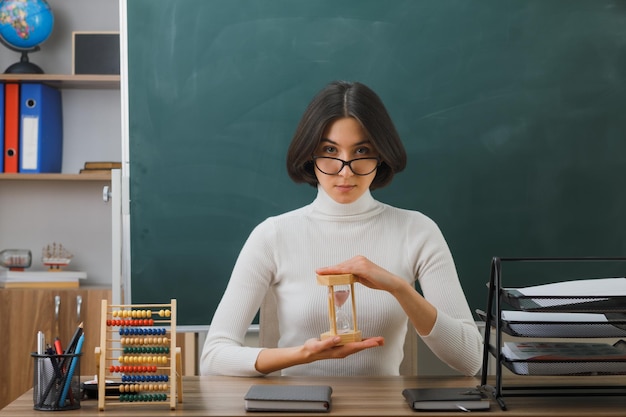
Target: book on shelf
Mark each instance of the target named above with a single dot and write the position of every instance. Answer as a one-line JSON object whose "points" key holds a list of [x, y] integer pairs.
{"points": [[41, 279], [94, 171], [445, 399], [288, 398], [102, 165]]}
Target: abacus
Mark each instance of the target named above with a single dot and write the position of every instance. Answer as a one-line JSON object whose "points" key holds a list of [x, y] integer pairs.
{"points": [[139, 355]]}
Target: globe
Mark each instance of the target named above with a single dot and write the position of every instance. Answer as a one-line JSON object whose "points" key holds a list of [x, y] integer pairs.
{"points": [[24, 25]]}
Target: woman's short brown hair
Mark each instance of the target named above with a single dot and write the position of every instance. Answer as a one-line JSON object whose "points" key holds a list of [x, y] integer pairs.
{"points": [[337, 100]]}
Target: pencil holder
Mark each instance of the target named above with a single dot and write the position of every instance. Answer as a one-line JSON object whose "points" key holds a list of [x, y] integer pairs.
{"points": [[56, 382]]}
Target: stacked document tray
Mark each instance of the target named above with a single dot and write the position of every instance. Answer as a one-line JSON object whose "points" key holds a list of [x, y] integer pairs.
{"points": [[564, 310], [554, 314], [570, 325], [565, 358], [592, 295]]}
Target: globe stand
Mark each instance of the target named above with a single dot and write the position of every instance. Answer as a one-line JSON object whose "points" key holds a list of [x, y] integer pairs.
{"points": [[24, 66]]}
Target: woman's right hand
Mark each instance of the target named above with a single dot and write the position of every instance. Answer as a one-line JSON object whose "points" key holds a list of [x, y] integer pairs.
{"points": [[275, 359], [316, 349]]}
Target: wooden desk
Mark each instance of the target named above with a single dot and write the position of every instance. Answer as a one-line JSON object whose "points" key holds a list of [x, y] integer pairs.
{"points": [[352, 396]]}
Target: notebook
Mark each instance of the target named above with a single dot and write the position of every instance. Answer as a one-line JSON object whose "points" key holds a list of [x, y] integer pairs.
{"points": [[313, 398], [445, 399]]}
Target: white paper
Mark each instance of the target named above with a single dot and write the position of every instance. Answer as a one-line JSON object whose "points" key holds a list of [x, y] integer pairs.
{"points": [[597, 289], [528, 316], [30, 142]]}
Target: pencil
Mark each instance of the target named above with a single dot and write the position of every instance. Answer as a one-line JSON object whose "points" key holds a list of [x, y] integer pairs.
{"points": [[72, 345], [67, 382], [74, 340]]}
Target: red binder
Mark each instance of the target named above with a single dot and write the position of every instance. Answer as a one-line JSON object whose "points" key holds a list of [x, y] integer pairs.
{"points": [[11, 127]]}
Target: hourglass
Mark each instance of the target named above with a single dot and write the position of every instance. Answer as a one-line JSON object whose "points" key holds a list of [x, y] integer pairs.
{"points": [[342, 321]]}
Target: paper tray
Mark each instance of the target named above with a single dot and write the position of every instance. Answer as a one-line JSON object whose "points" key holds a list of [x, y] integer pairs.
{"points": [[599, 304], [597, 295], [565, 358], [566, 368], [580, 325]]}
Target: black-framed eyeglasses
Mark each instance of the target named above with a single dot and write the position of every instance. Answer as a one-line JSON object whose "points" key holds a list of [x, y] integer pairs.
{"points": [[333, 166]]}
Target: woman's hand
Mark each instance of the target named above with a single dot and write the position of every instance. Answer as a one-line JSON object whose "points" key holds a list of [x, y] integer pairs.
{"points": [[328, 348], [421, 313], [366, 272], [271, 360]]}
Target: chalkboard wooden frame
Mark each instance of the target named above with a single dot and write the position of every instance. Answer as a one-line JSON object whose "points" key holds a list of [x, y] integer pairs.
{"points": [[511, 112]]}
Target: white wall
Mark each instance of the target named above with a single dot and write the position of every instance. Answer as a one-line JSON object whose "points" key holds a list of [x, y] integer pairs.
{"points": [[91, 119], [55, 56], [33, 214]]}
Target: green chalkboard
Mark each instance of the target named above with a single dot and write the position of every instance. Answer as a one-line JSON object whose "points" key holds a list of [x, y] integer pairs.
{"points": [[511, 112]]}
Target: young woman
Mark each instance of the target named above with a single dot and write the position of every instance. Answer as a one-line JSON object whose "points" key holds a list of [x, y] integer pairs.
{"points": [[345, 145]]}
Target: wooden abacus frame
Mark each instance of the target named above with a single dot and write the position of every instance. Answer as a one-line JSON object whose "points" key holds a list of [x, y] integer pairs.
{"points": [[110, 344]]}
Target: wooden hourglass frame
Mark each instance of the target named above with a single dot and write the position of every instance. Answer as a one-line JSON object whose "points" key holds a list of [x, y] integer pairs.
{"points": [[330, 281]]}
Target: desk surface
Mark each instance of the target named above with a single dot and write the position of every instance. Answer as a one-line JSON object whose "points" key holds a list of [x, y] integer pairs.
{"points": [[352, 396]]}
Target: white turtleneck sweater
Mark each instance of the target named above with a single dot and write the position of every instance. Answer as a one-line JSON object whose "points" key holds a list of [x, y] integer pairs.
{"points": [[281, 255]]}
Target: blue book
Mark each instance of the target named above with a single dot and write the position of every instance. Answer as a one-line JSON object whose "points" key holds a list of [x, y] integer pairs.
{"points": [[41, 128], [2, 126]]}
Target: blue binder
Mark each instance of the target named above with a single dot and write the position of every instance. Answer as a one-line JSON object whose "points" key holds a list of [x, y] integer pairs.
{"points": [[41, 129], [2, 126]]}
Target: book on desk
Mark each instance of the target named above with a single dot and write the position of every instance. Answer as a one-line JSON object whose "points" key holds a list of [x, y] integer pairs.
{"points": [[288, 398], [445, 399]]}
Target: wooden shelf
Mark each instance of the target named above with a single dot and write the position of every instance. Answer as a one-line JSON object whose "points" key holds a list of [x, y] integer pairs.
{"points": [[103, 82], [55, 177]]}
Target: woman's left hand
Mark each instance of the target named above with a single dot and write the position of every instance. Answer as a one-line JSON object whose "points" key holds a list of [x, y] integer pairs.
{"points": [[366, 272], [421, 313]]}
